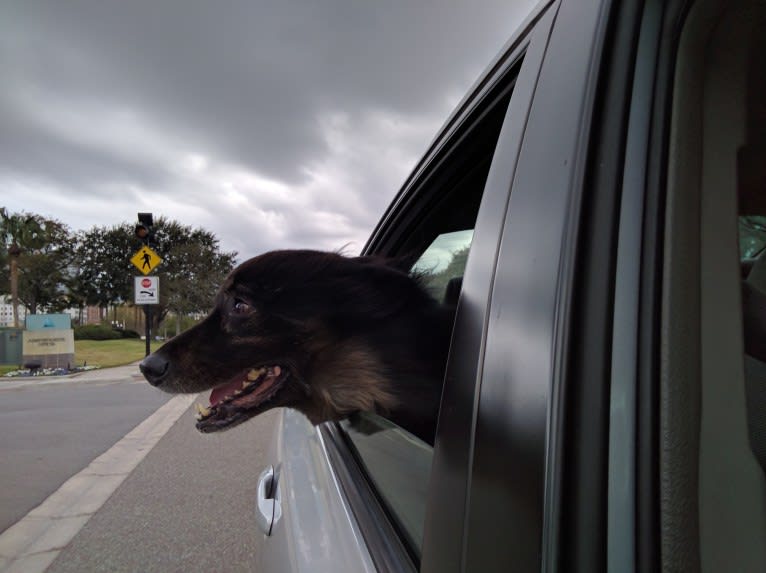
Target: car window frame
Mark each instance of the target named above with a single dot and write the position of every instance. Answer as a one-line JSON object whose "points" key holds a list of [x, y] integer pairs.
{"points": [[522, 57]]}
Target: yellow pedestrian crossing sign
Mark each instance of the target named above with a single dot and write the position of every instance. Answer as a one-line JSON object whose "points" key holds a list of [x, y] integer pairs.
{"points": [[145, 260]]}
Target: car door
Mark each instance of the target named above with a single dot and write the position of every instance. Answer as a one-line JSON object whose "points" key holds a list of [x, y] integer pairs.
{"points": [[354, 496], [602, 403]]}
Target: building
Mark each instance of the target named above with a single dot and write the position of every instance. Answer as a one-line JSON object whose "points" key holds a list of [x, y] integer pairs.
{"points": [[90, 314], [6, 313]]}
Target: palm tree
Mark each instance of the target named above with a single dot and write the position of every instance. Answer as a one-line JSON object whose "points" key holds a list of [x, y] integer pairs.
{"points": [[18, 231]]}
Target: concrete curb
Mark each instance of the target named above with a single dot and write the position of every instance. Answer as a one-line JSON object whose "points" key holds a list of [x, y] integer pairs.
{"points": [[34, 542], [111, 374]]}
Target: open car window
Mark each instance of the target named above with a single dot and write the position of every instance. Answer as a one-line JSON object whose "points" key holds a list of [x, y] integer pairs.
{"points": [[435, 229]]}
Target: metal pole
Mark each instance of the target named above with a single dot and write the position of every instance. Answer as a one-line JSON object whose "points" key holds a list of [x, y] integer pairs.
{"points": [[148, 329], [144, 232]]}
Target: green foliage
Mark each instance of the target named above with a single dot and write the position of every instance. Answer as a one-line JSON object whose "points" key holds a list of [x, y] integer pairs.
{"points": [[129, 333], [102, 272], [174, 324], [96, 332], [23, 230], [43, 271], [37, 251]]}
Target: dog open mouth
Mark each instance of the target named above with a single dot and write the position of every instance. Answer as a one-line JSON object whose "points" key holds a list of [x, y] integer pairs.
{"points": [[240, 399]]}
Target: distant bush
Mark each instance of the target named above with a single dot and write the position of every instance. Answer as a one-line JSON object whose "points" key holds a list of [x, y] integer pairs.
{"points": [[96, 332], [129, 334]]}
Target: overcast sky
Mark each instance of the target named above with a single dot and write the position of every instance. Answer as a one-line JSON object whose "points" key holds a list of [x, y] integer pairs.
{"points": [[272, 124]]}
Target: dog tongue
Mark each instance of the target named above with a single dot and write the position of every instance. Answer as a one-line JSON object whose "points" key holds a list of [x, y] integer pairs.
{"points": [[221, 392]]}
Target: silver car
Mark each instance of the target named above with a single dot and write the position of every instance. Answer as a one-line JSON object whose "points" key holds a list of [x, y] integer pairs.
{"points": [[596, 206]]}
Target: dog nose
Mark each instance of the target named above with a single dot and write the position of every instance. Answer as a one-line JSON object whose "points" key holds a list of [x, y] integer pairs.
{"points": [[154, 367]]}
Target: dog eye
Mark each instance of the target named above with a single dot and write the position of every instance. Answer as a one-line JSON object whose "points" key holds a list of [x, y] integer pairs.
{"points": [[240, 307]]}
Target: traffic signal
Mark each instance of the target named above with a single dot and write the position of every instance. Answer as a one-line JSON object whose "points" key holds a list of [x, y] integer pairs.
{"points": [[144, 226]]}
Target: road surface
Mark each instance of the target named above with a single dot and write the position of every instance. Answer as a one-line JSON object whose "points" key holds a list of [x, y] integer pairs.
{"points": [[185, 502], [53, 430]]}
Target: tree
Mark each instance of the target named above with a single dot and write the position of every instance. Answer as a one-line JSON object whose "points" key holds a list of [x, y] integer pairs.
{"points": [[44, 270], [102, 274], [18, 232], [192, 267]]}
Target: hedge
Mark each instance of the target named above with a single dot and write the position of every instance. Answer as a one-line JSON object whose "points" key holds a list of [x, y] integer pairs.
{"points": [[96, 332]]}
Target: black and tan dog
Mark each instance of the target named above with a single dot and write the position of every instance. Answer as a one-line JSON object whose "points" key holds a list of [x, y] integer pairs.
{"points": [[325, 334]]}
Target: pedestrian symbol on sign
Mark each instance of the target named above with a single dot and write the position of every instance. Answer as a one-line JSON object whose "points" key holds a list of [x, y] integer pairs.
{"points": [[145, 260]]}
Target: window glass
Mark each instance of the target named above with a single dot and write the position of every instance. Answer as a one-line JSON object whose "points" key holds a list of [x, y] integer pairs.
{"points": [[399, 465], [435, 230], [444, 261], [752, 236]]}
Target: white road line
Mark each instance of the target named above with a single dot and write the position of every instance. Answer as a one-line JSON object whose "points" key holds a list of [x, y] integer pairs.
{"points": [[31, 544]]}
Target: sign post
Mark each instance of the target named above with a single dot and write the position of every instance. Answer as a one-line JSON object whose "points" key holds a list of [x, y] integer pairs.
{"points": [[147, 289]]}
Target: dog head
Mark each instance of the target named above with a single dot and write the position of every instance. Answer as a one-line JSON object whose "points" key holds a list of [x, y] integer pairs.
{"points": [[315, 331]]}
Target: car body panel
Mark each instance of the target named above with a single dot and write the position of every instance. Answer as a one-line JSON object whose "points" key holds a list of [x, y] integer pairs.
{"points": [[315, 532]]}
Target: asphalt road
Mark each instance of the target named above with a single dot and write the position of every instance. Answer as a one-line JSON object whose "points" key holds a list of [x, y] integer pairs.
{"points": [[189, 506], [50, 431]]}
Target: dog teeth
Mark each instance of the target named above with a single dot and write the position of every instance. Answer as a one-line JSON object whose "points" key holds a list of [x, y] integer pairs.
{"points": [[202, 412], [254, 374], [277, 371], [237, 392]]}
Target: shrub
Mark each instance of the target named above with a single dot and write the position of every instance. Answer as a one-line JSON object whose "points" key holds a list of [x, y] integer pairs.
{"points": [[96, 332], [129, 334]]}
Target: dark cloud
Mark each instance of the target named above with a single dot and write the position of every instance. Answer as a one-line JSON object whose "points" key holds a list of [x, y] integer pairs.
{"points": [[334, 100], [26, 148]]}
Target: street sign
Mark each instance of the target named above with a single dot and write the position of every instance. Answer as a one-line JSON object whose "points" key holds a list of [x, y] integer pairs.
{"points": [[147, 290], [145, 260]]}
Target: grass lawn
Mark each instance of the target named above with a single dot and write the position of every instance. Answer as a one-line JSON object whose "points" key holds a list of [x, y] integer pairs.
{"points": [[106, 353]]}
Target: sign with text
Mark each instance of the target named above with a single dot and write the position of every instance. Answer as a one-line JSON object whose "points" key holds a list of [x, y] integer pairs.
{"points": [[48, 341], [147, 290], [49, 348], [145, 260]]}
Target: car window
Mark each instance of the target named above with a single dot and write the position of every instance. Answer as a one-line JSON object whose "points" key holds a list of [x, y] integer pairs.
{"points": [[397, 462], [435, 230]]}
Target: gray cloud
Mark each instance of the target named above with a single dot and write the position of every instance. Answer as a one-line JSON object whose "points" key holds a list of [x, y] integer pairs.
{"points": [[272, 124]]}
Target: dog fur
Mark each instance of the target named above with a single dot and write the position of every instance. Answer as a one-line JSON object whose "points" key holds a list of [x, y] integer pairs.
{"points": [[349, 334]]}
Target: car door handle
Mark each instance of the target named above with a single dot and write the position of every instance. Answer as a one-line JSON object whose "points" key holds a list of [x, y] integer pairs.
{"points": [[268, 506]]}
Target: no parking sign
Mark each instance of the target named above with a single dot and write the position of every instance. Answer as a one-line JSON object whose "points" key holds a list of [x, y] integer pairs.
{"points": [[147, 290]]}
